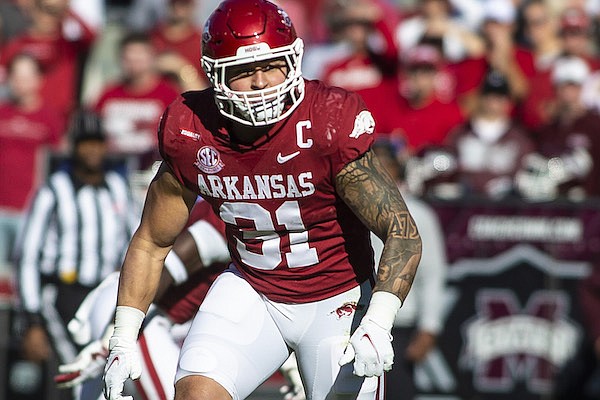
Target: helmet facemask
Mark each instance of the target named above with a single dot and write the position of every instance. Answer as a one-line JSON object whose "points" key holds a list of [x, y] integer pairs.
{"points": [[258, 107]]}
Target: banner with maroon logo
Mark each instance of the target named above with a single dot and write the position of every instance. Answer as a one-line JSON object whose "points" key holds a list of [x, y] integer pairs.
{"points": [[512, 317]]}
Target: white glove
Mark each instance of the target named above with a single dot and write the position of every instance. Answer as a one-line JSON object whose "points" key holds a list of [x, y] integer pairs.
{"points": [[371, 349], [293, 390], [123, 363], [124, 359], [89, 364], [371, 344]]}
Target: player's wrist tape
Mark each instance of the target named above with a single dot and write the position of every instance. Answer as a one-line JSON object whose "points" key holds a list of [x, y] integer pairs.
{"points": [[382, 309], [128, 321], [175, 267], [108, 332]]}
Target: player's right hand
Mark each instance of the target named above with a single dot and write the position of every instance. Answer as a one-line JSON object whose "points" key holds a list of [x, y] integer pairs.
{"points": [[89, 364], [123, 363]]}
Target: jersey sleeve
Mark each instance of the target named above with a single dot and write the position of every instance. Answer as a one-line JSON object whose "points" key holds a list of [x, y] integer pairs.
{"points": [[353, 127], [168, 144]]}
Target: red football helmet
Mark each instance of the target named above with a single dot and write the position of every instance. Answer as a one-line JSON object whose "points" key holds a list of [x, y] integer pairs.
{"points": [[247, 31]]}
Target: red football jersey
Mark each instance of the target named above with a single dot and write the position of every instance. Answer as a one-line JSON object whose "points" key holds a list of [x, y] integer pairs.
{"points": [[288, 232]]}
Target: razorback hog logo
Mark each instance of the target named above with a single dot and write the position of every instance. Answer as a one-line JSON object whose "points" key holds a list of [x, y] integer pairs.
{"points": [[346, 309], [506, 343]]}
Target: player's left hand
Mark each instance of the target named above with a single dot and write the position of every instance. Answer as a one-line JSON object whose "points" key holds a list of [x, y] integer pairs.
{"points": [[371, 349], [89, 364]]}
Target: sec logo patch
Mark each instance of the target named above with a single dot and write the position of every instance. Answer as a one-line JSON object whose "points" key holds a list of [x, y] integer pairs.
{"points": [[208, 160]]}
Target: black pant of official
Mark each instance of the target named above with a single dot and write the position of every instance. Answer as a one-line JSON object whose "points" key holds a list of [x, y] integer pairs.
{"points": [[399, 382], [62, 302]]}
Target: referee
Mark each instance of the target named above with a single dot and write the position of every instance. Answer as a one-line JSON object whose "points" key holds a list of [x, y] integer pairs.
{"points": [[75, 234]]}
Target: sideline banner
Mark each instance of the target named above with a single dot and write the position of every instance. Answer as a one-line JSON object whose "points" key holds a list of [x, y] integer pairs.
{"points": [[512, 315]]}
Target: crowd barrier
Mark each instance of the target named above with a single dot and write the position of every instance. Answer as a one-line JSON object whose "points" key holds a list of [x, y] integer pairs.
{"points": [[512, 317]]}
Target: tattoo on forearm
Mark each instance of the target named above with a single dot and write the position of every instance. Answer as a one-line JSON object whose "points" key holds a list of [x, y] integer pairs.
{"points": [[373, 196], [405, 226]]}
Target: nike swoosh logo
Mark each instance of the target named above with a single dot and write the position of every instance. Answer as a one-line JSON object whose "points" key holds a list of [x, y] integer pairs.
{"points": [[116, 359], [283, 159]]}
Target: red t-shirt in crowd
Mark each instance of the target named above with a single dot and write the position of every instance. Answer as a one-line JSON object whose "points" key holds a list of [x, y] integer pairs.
{"points": [[131, 118], [23, 137], [470, 73], [428, 125]]}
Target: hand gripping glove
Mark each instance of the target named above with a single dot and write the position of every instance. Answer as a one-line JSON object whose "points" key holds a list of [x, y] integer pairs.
{"points": [[293, 390], [89, 364], [371, 344], [123, 360]]}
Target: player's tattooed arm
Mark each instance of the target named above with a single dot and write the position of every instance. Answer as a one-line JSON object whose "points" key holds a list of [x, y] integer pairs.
{"points": [[371, 193]]}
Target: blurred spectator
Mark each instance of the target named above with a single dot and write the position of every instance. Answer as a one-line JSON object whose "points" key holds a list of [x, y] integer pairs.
{"points": [[424, 115], [419, 321], [490, 147], [177, 42], [503, 55], [434, 24], [28, 129], [577, 35], [542, 33], [370, 67], [131, 108], [568, 148], [59, 40], [145, 14], [75, 234]]}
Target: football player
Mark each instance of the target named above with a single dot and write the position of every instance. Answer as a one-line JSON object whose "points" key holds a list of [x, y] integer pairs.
{"points": [[286, 164], [198, 256]]}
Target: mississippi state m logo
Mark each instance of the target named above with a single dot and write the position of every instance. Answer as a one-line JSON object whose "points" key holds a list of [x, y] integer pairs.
{"points": [[508, 343]]}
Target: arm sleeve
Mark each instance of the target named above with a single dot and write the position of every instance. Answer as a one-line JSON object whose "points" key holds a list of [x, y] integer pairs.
{"points": [[166, 145], [30, 246], [351, 126]]}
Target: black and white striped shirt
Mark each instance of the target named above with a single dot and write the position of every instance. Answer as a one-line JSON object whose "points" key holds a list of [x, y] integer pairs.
{"points": [[74, 233]]}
